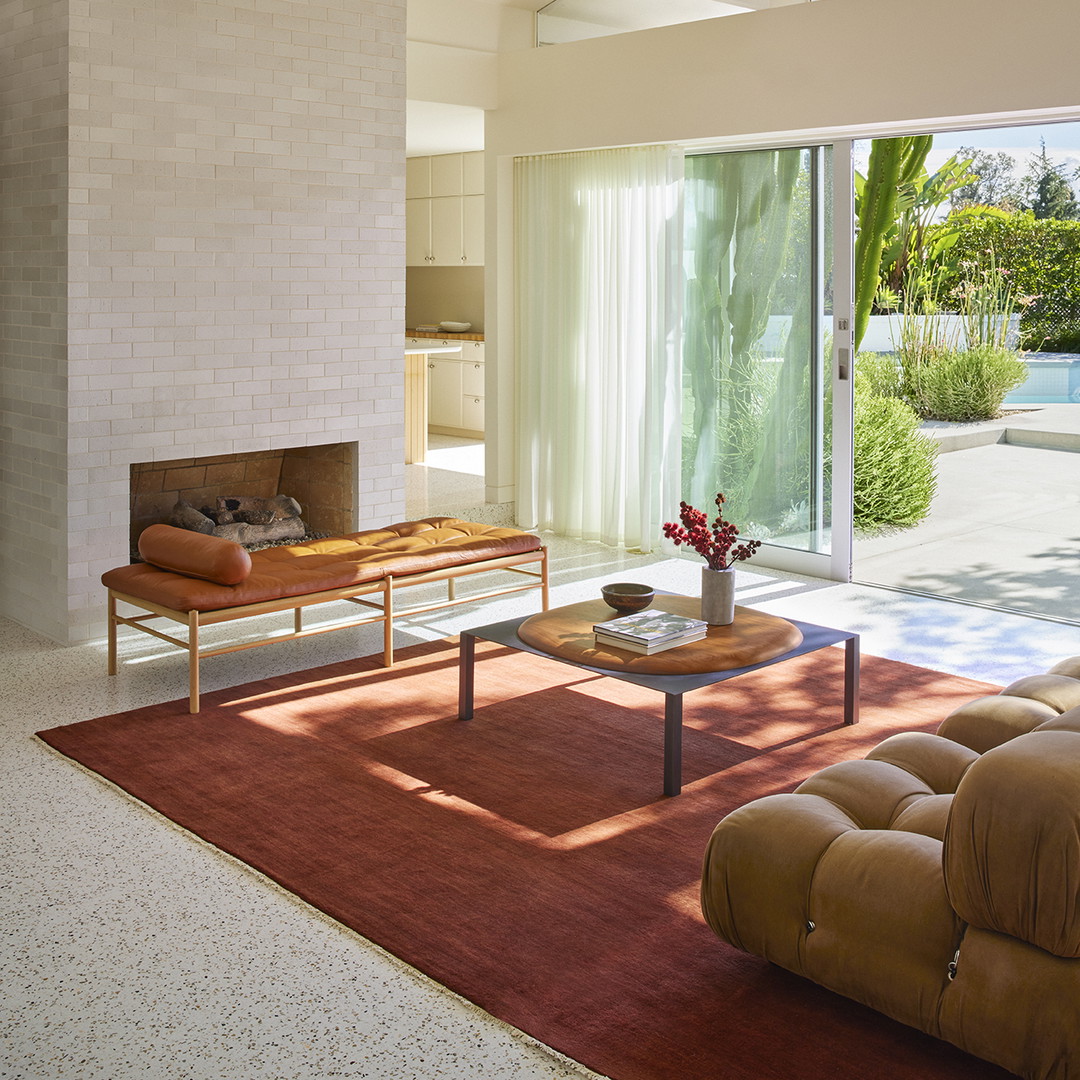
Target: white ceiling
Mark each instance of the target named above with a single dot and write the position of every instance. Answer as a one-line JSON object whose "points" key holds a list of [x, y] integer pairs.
{"points": [[434, 128], [573, 20], [437, 128]]}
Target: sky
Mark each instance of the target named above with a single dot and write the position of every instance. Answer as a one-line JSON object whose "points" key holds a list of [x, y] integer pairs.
{"points": [[1020, 143], [1062, 142]]}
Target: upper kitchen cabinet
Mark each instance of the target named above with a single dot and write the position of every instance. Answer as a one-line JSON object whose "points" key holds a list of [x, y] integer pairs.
{"points": [[472, 173], [444, 210]]}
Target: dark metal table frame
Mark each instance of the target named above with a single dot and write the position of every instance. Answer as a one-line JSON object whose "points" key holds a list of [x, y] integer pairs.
{"points": [[671, 686]]}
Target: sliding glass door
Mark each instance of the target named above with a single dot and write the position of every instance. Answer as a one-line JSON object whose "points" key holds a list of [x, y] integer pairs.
{"points": [[758, 384]]}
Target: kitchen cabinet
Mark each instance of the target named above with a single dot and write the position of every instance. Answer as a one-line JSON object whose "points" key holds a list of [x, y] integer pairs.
{"points": [[421, 356], [455, 386], [472, 173], [444, 174], [472, 230], [444, 210], [472, 414], [417, 177], [445, 231], [418, 232], [444, 393]]}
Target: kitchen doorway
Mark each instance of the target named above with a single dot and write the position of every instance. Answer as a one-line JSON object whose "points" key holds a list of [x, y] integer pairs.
{"points": [[450, 483]]}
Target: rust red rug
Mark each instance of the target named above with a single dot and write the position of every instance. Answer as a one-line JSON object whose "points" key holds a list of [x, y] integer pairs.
{"points": [[526, 858]]}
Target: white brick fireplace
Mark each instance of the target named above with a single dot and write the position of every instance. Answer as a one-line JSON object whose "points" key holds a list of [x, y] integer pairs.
{"points": [[201, 253]]}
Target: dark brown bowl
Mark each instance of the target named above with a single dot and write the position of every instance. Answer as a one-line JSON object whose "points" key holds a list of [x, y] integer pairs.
{"points": [[626, 597]]}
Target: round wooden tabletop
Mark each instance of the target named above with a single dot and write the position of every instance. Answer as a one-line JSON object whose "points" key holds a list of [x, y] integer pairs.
{"points": [[754, 636]]}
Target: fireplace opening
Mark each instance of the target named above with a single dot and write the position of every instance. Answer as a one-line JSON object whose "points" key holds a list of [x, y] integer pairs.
{"points": [[250, 497]]}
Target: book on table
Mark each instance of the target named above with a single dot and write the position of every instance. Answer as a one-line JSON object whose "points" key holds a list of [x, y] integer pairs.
{"points": [[649, 627], [648, 649]]}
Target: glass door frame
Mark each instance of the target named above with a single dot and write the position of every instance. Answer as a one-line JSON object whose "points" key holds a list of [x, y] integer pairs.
{"points": [[836, 563]]}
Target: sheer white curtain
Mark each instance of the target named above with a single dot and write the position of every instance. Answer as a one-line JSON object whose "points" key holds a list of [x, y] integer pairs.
{"points": [[598, 241]]}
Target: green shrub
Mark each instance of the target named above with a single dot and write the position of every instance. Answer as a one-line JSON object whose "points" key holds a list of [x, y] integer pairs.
{"points": [[895, 477], [1053, 334], [1041, 257], [968, 384], [879, 374]]}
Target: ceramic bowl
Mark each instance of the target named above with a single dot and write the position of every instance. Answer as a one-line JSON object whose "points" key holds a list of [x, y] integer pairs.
{"points": [[626, 597]]}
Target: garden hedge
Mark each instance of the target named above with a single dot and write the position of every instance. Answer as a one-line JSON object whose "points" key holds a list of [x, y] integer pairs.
{"points": [[1042, 259]]}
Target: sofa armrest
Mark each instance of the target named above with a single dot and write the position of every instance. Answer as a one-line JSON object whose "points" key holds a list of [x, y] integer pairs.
{"points": [[1014, 835]]}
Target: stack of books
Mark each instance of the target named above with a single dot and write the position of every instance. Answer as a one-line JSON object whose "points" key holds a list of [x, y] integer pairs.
{"points": [[649, 632]]}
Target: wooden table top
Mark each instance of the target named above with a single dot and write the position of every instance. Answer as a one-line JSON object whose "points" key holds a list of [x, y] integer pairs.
{"points": [[754, 637]]}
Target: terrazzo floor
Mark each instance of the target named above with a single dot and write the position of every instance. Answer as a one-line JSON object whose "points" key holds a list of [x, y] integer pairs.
{"points": [[130, 949]]}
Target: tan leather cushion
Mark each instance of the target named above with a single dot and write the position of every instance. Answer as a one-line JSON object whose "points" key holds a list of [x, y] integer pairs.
{"points": [[990, 721], [884, 929], [1012, 845], [197, 555], [339, 562]]}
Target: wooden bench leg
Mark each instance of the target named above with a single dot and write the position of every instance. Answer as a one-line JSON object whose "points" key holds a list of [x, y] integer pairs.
{"points": [[544, 578], [193, 661], [388, 622], [112, 634]]}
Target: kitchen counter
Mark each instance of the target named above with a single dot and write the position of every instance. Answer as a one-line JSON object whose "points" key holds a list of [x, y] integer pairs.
{"points": [[468, 335], [436, 347], [458, 386]]}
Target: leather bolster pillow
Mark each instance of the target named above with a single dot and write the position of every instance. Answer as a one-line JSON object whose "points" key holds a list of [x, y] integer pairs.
{"points": [[193, 554]]}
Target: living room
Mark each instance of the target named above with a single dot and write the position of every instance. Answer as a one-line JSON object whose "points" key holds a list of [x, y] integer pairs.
{"points": [[141, 951]]}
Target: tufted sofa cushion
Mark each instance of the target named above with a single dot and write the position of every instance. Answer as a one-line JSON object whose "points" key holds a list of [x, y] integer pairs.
{"points": [[339, 562], [1012, 852], [937, 880]]}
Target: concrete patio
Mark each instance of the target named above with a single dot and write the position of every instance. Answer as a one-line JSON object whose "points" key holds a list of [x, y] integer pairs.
{"points": [[1004, 529]]}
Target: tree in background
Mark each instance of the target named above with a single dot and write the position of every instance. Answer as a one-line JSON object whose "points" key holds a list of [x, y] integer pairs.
{"points": [[1049, 188], [993, 182]]}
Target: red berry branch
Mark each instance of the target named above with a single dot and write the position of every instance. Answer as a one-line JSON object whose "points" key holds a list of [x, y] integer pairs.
{"points": [[716, 544]]}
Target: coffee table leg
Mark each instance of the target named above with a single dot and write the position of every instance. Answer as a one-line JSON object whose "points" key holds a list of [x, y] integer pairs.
{"points": [[851, 680], [465, 676], [672, 744]]}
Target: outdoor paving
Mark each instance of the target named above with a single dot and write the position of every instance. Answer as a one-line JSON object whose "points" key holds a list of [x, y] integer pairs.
{"points": [[1004, 528]]}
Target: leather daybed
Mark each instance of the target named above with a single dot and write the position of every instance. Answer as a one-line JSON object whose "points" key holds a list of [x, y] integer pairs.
{"points": [[199, 580], [937, 880]]}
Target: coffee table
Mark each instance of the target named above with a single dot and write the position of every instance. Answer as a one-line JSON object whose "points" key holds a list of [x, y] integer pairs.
{"points": [[754, 640]]}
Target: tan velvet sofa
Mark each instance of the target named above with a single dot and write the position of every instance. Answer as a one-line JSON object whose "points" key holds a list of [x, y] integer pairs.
{"points": [[937, 880]]}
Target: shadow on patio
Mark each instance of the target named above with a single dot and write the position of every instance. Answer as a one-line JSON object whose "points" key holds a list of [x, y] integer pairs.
{"points": [[1004, 529]]}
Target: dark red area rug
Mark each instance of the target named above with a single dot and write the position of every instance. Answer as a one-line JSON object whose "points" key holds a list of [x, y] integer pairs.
{"points": [[526, 858]]}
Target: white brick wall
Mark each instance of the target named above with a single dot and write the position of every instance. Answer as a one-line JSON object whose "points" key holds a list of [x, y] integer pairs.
{"points": [[235, 278], [33, 256]]}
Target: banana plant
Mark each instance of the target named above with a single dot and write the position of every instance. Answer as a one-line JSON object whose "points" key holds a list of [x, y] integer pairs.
{"points": [[912, 246]]}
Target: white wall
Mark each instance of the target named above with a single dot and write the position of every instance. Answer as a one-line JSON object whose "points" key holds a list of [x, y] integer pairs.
{"points": [[850, 68], [834, 64], [204, 254], [452, 49]]}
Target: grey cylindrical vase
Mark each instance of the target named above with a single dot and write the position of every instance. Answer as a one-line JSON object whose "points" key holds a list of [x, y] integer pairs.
{"points": [[718, 596]]}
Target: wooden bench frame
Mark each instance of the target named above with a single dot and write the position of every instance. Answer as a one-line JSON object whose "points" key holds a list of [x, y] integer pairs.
{"points": [[378, 596]]}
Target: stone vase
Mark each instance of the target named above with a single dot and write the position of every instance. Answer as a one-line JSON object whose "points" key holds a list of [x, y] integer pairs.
{"points": [[718, 596]]}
